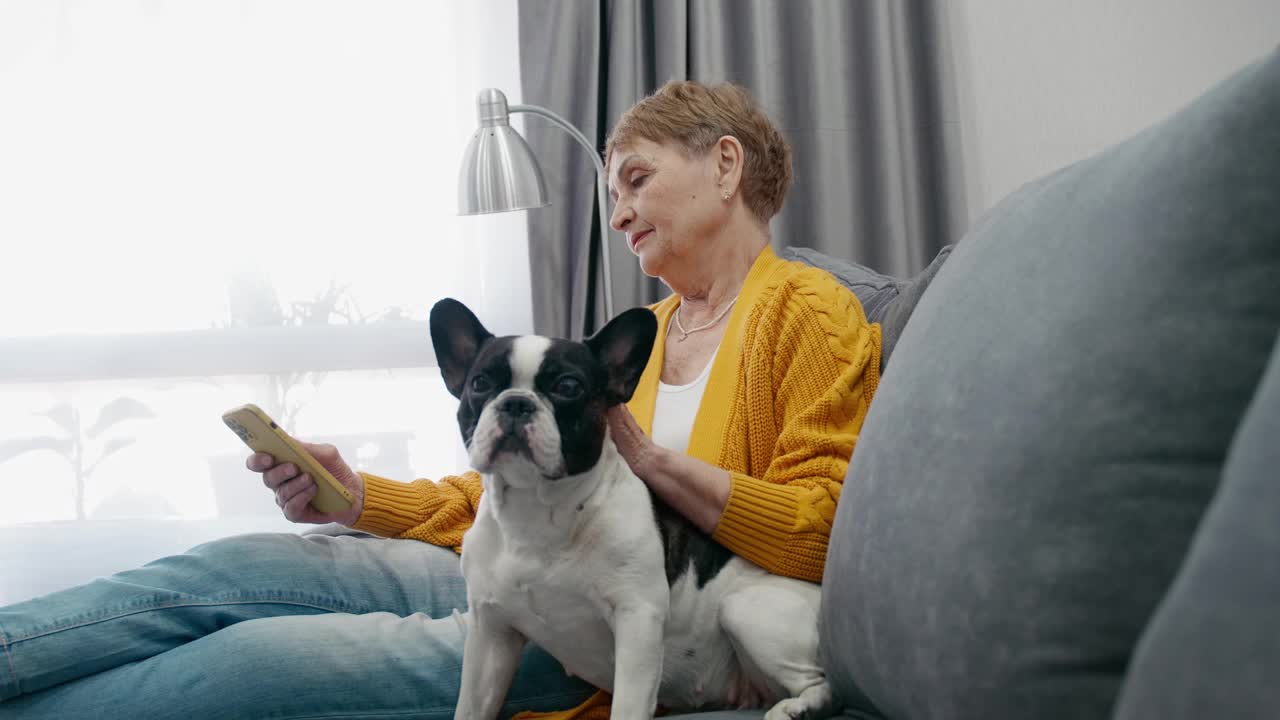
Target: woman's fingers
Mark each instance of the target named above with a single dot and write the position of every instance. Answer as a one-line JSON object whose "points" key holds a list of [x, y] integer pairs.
{"points": [[634, 446], [273, 476], [291, 487], [294, 497], [258, 462], [279, 475], [624, 429]]}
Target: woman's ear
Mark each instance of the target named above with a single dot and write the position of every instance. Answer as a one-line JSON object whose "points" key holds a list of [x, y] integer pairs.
{"points": [[729, 161]]}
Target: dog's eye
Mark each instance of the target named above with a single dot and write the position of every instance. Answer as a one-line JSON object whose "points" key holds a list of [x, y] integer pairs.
{"points": [[481, 384], [567, 387]]}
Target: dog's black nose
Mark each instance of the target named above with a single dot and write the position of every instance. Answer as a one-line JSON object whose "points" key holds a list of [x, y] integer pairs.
{"points": [[517, 406]]}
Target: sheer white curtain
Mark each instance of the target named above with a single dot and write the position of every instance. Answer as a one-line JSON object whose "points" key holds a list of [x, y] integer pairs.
{"points": [[205, 203]]}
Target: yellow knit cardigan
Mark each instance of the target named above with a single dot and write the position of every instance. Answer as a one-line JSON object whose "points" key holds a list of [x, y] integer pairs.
{"points": [[781, 413]]}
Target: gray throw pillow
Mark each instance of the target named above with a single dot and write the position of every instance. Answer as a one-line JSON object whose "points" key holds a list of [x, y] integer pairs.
{"points": [[885, 299], [1213, 648], [1032, 469]]}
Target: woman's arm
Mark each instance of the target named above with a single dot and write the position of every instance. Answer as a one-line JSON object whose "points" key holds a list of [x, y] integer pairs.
{"points": [[433, 512], [695, 489]]}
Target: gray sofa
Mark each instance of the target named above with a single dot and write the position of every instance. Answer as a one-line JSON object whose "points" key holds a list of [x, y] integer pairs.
{"points": [[1065, 502]]}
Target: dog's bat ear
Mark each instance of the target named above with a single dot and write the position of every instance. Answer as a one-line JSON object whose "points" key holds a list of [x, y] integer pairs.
{"points": [[624, 346], [457, 336]]}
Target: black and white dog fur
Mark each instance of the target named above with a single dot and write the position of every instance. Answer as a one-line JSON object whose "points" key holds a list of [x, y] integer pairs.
{"points": [[570, 551]]}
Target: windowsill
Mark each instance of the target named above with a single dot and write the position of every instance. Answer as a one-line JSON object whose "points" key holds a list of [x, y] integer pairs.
{"points": [[223, 351]]}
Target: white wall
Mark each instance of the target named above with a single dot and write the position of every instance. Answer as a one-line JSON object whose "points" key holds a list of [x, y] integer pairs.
{"points": [[1041, 84]]}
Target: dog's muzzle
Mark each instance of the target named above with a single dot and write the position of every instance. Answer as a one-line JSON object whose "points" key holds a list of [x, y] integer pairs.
{"points": [[517, 425], [514, 414]]}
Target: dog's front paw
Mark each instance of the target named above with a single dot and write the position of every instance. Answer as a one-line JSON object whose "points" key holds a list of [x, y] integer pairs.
{"points": [[789, 709]]}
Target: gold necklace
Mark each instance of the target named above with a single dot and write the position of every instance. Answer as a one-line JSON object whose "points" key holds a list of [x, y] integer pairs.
{"points": [[685, 333]]}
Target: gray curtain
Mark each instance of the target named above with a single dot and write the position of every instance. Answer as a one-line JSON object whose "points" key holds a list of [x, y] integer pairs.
{"points": [[859, 87]]}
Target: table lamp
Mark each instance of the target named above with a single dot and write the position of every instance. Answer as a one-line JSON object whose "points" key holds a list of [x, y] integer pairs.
{"points": [[499, 172]]}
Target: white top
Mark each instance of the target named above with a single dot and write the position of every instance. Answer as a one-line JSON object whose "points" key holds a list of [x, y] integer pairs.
{"points": [[675, 409]]}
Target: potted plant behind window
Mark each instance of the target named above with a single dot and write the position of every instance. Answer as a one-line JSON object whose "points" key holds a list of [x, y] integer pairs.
{"points": [[83, 447]]}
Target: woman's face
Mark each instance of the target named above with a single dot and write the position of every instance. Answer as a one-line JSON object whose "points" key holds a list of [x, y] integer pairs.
{"points": [[668, 204]]}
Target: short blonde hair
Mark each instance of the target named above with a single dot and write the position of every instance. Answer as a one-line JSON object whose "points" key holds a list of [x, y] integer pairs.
{"points": [[696, 116]]}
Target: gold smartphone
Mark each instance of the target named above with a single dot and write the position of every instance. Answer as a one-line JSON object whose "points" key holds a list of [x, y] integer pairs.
{"points": [[262, 434]]}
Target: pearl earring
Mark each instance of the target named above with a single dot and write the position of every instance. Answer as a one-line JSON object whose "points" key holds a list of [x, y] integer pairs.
{"points": [[725, 194]]}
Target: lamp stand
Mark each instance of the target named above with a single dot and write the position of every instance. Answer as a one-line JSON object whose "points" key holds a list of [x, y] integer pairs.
{"points": [[602, 195]]}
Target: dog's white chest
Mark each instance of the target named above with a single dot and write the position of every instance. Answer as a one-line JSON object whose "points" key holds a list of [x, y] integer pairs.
{"points": [[561, 595], [557, 607], [562, 601]]}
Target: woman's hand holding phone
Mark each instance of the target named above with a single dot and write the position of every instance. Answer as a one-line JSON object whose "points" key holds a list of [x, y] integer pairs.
{"points": [[295, 489]]}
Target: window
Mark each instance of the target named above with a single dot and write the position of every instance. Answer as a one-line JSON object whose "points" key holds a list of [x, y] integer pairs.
{"points": [[209, 203]]}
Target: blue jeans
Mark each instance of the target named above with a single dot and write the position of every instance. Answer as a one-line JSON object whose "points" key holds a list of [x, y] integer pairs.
{"points": [[256, 626]]}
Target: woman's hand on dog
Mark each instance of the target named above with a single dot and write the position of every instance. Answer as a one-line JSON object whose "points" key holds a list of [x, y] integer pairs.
{"points": [[638, 449], [294, 490], [695, 489]]}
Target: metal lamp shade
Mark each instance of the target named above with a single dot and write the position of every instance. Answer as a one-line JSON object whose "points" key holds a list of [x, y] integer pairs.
{"points": [[499, 173]]}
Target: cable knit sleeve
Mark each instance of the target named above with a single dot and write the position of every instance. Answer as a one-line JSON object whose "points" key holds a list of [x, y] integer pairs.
{"points": [[434, 512], [811, 363]]}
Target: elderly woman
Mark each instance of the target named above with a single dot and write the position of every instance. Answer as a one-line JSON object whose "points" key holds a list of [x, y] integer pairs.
{"points": [[744, 421]]}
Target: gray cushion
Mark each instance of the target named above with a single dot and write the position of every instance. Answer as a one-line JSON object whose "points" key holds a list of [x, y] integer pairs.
{"points": [[1032, 469], [1213, 648], [885, 299]]}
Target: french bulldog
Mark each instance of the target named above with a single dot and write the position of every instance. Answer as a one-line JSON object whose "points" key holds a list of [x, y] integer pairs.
{"points": [[569, 550]]}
